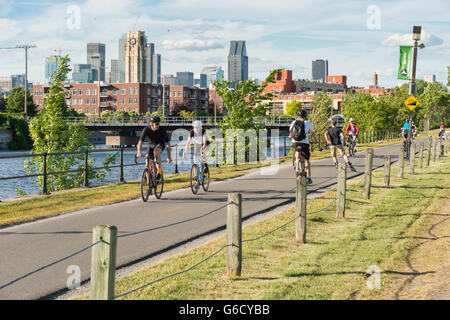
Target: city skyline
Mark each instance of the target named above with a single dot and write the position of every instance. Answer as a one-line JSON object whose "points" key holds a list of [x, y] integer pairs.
{"points": [[357, 39]]}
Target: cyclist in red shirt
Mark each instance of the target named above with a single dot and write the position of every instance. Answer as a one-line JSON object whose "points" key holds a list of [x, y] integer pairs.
{"points": [[352, 131]]}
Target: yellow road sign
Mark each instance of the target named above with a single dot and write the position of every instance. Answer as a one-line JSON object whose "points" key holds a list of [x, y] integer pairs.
{"points": [[411, 102]]}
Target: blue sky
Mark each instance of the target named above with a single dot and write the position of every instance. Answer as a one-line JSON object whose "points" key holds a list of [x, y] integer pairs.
{"points": [[357, 38]]}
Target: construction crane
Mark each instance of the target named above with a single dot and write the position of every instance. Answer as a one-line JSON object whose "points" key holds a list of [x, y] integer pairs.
{"points": [[59, 51], [25, 85], [135, 23]]}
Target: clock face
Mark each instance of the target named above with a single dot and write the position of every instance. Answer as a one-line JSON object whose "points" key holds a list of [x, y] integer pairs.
{"points": [[132, 41]]}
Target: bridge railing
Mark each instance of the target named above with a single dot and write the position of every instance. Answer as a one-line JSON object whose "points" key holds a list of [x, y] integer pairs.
{"points": [[172, 121]]}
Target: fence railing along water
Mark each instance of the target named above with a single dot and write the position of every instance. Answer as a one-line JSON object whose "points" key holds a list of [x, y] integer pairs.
{"points": [[278, 147]]}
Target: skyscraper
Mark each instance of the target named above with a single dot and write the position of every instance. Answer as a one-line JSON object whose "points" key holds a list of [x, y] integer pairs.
{"points": [[237, 62], [51, 65], [96, 57], [148, 61], [185, 78], [156, 68], [116, 74], [82, 73], [212, 74], [320, 70]]}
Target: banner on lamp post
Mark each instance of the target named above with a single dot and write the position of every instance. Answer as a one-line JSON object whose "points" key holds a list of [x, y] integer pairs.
{"points": [[404, 69]]}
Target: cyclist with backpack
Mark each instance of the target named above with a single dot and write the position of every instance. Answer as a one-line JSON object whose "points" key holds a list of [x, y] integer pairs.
{"points": [[298, 132]]}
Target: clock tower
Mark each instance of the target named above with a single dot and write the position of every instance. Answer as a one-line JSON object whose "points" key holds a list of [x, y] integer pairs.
{"points": [[134, 57]]}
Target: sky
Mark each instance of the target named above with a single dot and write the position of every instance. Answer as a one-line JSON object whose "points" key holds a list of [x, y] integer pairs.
{"points": [[358, 38]]}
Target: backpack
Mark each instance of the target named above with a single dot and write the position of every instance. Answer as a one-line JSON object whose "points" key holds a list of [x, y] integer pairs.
{"points": [[298, 130]]}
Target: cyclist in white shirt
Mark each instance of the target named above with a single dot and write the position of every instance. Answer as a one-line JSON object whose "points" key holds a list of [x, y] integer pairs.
{"points": [[200, 139]]}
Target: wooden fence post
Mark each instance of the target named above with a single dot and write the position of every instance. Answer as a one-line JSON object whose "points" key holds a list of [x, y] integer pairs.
{"points": [[234, 235], [401, 162], [412, 157], [368, 173], [387, 170], [341, 190], [441, 148], [430, 146], [434, 150], [300, 211], [103, 263], [420, 164]]}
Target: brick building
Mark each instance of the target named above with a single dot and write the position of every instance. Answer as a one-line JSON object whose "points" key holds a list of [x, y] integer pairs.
{"points": [[188, 98], [140, 97]]}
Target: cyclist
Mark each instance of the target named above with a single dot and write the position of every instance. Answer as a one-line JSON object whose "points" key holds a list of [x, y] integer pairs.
{"points": [[303, 145], [157, 142], [352, 131], [335, 141], [405, 130], [442, 130], [200, 139]]}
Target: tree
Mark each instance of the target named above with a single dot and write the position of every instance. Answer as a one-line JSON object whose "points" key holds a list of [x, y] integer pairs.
{"points": [[52, 133], [321, 112], [16, 102], [244, 102], [434, 103], [448, 76], [3, 103], [293, 107]]}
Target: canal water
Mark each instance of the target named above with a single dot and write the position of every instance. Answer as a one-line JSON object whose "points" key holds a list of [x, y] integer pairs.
{"points": [[15, 167]]}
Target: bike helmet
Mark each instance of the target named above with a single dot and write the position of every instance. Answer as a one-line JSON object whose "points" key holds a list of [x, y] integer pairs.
{"points": [[302, 113], [352, 120], [197, 124], [155, 119]]}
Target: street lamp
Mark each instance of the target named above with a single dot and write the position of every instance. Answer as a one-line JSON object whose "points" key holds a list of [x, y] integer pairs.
{"points": [[417, 30]]}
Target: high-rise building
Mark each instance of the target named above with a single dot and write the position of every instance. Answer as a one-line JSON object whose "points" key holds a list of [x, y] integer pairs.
{"points": [[429, 78], [186, 79], [212, 74], [320, 70], [115, 71], [134, 57], [237, 62], [122, 45], [82, 73], [148, 61], [51, 65], [169, 80], [96, 58], [156, 68]]}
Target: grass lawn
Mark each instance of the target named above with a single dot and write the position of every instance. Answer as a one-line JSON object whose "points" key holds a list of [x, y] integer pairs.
{"points": [[379, 232]]}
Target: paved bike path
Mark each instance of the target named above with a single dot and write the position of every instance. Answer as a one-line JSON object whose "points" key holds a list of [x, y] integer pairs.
{"points": [[27, 247]]}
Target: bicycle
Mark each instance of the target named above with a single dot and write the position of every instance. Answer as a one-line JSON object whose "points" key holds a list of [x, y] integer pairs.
{"points": [[201, 175], [300, 164], [351, 146], [150, 182]]}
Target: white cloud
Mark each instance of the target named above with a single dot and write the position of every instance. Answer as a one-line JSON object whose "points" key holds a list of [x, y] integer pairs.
{"points": [[406, 39], [192, 44]]}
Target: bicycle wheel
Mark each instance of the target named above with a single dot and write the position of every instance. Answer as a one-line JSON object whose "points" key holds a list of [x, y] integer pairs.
{"points": [[194, 179], [205, 182], [158, 184], [145, 188]]}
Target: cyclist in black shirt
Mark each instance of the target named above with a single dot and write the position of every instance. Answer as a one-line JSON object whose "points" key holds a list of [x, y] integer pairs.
{"points": [[157, 142]]}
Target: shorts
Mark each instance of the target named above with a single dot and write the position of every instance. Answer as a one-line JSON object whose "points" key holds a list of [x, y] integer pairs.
{"points": [[152, 147], [334, 150], [303, 148]]}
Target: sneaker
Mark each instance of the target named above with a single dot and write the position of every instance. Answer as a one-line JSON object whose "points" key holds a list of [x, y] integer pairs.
{"points": [[308, 180], [336, 165], [352, 167]]}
